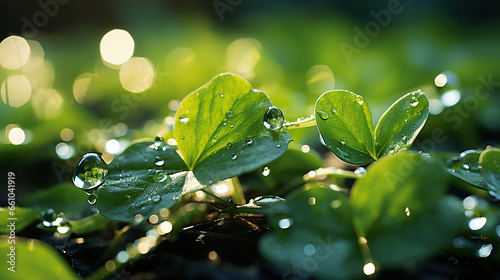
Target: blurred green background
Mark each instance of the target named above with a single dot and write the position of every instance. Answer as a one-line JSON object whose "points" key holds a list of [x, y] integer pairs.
{"points": [[64, 99]]}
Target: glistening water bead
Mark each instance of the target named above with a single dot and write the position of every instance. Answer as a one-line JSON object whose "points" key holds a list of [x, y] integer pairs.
{"points": [[273, 118], [89, 172]]}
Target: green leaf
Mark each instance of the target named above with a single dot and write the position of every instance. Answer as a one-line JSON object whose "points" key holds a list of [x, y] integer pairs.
{"points": [[313, 228], [466, 167], [33, 259], [88, 224], [285, 168], [23, 218], [490, 170], [138, 184], [394, 187], [419, 235], [400, 124], [64, 197], [220, 132], [333, 258], [345, 123]]}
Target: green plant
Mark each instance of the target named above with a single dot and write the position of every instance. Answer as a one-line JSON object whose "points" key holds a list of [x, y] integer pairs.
{"points": [[392, 215]]}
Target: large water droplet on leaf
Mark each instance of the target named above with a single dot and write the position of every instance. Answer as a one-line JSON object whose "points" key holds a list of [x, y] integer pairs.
{"points": [[183, 118], [162, 177], [323, 115], [273, 118], [89, 172]]}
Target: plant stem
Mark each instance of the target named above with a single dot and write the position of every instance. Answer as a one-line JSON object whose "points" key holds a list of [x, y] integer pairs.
{"points": [[318, 175], [238, 195], [300, 123]]}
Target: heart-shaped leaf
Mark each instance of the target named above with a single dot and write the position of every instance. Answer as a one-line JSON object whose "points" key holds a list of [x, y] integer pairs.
{"points": [[326, 242], [400, 124], [419, 236], [490, 170], [345, 123], [400, 216], [145, 178], [220, 129], [393, 187]]}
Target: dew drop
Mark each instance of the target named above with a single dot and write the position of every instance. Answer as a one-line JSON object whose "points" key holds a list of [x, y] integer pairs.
{"points": [[92, 199], [360, 171], [229, 114], [183, 137], [162, 177], [414, 102], [267, 199], [221, 94], [156, 198], [334, 110], [89, 172], [249, 141], [278, 146], [266, 171], [228, 146], [403, 137], [342, 141], [406, 120], [359, 99], [183, 118], [51, 219], [273, 118], [323, 115], [233, 157], [159, 161], [231, 126]]}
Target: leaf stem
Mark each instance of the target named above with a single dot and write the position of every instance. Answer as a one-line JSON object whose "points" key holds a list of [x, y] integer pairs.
{"points": [[238, 195], [300, 123], [318, 175]]}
